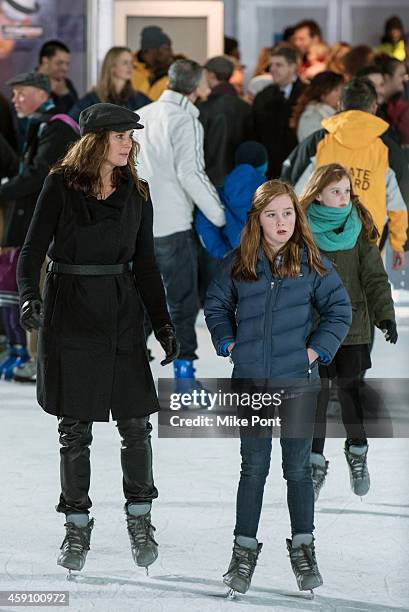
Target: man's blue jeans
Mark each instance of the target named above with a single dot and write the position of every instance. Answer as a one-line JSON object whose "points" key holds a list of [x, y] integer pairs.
{"points": [[177, 260]]}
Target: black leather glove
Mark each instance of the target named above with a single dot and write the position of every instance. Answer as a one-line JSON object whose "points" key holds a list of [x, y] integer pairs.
{"points": [[389, 329], [167, 337], [31, 314]]}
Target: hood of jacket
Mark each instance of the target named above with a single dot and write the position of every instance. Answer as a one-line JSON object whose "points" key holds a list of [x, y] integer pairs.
{"points": [[355, 129], [239, 188]]}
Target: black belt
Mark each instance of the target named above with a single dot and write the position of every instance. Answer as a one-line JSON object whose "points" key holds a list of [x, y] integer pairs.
{"points": [[89, 270]]}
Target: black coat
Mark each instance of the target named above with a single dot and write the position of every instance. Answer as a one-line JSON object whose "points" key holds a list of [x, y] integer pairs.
{"points": [[271, 113], [45, 144], [227, 122], [92, 357]]}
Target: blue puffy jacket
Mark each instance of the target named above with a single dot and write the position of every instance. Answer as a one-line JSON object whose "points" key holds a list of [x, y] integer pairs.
{"points": [[236, 195], [271, 320]]}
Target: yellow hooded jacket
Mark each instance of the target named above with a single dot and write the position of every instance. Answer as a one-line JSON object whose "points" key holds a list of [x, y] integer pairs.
{"points": [[140, 81], [353, 141]]}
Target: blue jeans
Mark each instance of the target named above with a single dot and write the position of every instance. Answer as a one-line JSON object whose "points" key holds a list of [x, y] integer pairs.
{"points": [[177, 260], [255, 465]]}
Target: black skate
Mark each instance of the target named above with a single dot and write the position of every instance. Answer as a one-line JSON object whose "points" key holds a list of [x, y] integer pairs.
{"points": [[358, 471], [143, 545], [241, 569], [304, 565], [75, 546], [319, 474]]}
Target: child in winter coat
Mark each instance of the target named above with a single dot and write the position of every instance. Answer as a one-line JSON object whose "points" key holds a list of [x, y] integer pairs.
{"points": [[236, 194], [344, 231], [259, 310]]}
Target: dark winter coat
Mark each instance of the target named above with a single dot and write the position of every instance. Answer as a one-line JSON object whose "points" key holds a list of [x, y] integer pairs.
{"points": [[92, 356], [271, 320], [363, 274], [136, 100], [227, 122], [47, 141], [65, 102], [271, 115]]}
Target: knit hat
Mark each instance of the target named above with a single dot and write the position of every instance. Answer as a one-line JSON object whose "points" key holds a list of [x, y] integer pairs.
{"points": [[153, 37], [32, 79], [251, 152], [107, 116]]}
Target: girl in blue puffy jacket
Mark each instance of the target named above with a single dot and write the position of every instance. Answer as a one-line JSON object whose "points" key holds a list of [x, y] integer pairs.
{"points": [[260, 310]]}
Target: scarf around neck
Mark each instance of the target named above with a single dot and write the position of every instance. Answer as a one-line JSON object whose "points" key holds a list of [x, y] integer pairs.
{"points": [[323, 222]]}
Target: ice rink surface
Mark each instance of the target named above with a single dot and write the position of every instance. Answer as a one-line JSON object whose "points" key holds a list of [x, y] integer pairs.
{"points": [[362, 546]]}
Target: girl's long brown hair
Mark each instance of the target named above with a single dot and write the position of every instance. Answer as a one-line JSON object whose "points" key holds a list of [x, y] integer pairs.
{"points": [[105, 85], [244, 265], [82, 164], [333, 173]]}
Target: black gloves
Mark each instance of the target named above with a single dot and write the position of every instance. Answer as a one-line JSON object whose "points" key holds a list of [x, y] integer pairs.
{"points": [[167, 337], [31, 315], [389, 329]]}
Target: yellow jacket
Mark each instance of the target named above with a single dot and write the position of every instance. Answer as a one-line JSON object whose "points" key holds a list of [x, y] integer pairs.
{"points": [[353, 139], [140, 81], [397, 51]]}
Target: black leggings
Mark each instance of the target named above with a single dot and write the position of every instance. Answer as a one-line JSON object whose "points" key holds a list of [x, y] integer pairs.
{"points": [[75, 467], [348, 364]]}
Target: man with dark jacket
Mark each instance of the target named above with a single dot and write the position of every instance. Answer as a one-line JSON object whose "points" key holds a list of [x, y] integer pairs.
{"points": [[226, 120], [47, 140], [273, 107], [54, 61]]}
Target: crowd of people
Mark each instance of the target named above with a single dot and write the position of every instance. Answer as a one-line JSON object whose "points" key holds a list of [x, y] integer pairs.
{"points": [[171, 186]]}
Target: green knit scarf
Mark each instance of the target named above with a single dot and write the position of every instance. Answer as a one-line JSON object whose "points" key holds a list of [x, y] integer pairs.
{"points": [[324, 221]]}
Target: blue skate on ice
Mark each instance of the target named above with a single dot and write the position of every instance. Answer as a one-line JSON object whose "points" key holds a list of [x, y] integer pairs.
{"points": [[18, 355], [185, 381]]}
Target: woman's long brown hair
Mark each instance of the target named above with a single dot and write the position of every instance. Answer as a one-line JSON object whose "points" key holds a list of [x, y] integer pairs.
{"points": [[244, 265], [333, 173], [82, 165], [105, 86]]}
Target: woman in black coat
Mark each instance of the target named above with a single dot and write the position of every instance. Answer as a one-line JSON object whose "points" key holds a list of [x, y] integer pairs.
{"points": [[94, 220]]}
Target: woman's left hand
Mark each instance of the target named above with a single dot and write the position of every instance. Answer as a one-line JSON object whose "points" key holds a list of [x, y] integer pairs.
{"points": [[167, 337], [312, 355]]}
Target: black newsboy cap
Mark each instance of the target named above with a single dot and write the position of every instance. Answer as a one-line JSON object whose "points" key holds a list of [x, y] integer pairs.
{"points": [[32, 79], [105, 116]]}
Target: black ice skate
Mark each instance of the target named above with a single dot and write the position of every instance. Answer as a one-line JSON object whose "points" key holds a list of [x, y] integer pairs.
{"points": [[75, 546], [241, 569], [319, 474], [304, 565], [143, 545], [358, 471]]}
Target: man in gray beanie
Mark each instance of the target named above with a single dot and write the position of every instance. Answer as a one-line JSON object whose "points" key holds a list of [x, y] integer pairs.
{"points": [[152, 61]]}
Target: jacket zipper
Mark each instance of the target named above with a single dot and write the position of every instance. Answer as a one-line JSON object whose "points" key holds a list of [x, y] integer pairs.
{"points": [[271, 301]]}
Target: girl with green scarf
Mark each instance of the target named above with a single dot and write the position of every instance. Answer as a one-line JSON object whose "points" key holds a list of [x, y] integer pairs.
{"points": [[344, 231]]}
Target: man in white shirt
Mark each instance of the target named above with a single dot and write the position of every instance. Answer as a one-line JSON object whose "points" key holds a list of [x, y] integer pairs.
{"points": [[171, 160]]}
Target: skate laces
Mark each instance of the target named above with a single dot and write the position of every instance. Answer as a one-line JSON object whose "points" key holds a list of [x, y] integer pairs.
{"points": [[357, 464], [245, 561], [76, 539], [319, 473], [140, 529], [303, 558]]}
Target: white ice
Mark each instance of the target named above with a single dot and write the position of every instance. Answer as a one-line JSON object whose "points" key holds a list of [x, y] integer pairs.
{"points": [[362, 546]]}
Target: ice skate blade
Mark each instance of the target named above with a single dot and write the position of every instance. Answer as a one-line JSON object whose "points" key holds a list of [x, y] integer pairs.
{"points": [[70, 576], [231, 595], [147, 571]]}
